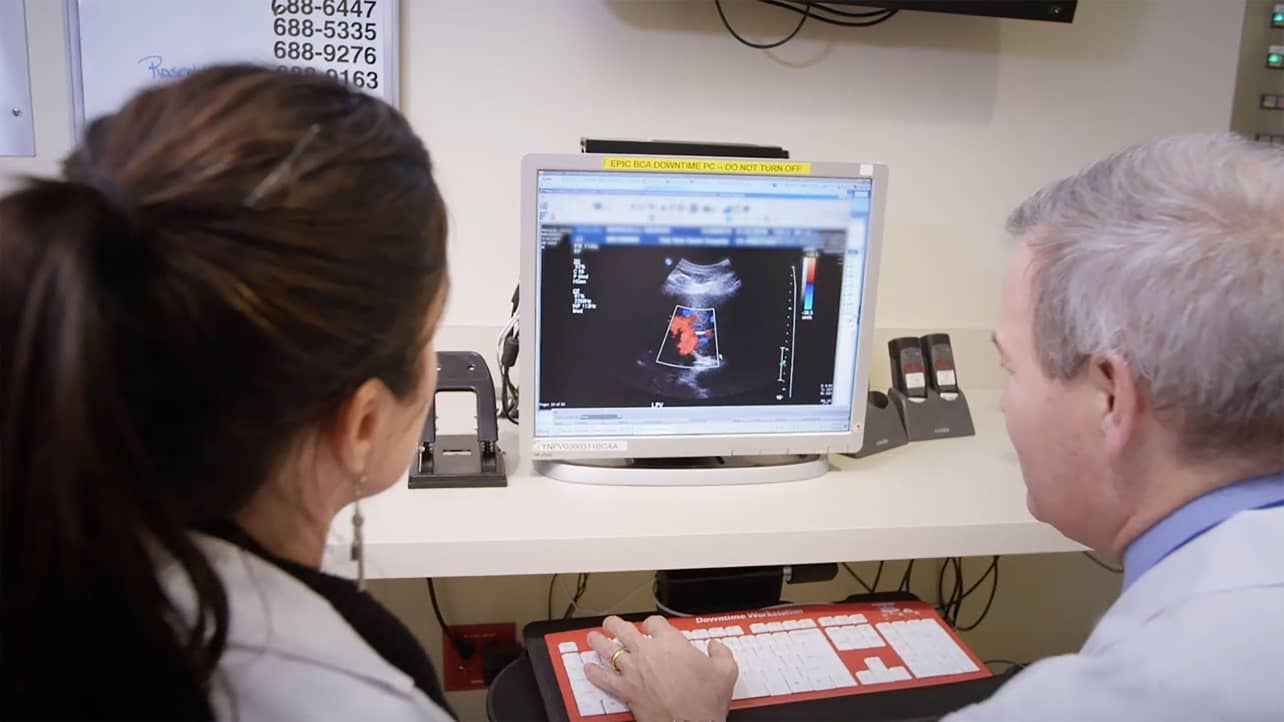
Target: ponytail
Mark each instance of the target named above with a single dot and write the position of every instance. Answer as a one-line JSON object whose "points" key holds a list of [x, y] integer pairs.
{"points": [[86, 629]]}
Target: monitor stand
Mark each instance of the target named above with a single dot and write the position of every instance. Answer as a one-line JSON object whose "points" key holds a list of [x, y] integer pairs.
{"points": [[690, 471]]}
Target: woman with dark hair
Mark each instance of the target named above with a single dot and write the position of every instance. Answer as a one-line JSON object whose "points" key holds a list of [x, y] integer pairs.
{"points": [[215, 333]]}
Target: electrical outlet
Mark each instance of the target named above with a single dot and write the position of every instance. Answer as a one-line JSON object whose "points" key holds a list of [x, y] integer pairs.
{"points": [[459, 675]]}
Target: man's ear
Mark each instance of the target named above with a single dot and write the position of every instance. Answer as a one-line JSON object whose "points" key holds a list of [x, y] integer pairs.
{"points": [[1120, 401], [355, 425]]}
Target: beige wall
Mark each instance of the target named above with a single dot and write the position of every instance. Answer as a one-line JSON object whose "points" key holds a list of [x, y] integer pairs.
{"points": [[970, 113]]}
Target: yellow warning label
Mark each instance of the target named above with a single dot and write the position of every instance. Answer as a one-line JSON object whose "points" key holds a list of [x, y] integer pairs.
{"points": [[708, 165]]}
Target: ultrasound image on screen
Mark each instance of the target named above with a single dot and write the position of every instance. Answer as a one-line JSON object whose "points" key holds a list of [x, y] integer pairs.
{"points": [[647, 325]]}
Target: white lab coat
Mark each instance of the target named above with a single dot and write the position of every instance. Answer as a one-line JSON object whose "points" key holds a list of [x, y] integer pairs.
{"points": [[1200, 636], [290, 655]]}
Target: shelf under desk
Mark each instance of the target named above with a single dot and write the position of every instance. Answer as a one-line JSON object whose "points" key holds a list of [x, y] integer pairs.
{"points": [[949, 497]]}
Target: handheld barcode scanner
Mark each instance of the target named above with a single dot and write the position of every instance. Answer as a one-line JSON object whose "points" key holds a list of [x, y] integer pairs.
{"points": [[909, 373], [940, 363]]}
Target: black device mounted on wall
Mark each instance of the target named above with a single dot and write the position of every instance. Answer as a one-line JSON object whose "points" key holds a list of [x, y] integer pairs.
{"points": [[681, 147], [1057, 11]]}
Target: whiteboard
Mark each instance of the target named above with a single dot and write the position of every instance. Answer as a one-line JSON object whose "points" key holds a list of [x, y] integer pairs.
{"points": [[119, 47], [17, 131]]}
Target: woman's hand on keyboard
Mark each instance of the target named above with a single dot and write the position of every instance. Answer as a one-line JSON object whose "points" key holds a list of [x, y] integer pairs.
{"points": [[663, 677]]}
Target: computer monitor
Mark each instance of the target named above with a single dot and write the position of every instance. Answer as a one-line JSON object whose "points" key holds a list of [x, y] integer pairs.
{"points": [[695, 320]]}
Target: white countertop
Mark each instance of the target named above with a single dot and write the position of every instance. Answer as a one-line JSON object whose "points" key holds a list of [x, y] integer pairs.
{"points": [[947, 497]]}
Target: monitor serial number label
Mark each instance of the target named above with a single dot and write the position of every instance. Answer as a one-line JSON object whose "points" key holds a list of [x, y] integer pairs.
{"points": [[550, 448]]}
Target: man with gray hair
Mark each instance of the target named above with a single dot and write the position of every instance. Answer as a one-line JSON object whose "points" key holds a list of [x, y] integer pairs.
{"points": [[1142, 329]]}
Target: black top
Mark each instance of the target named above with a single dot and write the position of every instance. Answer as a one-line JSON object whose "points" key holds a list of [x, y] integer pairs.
{"points": [[367, 617]]}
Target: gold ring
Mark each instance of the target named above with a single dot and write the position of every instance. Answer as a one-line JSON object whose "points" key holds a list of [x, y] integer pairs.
{"points": [[615, 658]]}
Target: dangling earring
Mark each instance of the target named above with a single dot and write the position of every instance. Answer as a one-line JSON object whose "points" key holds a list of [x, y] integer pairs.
{"points": [[358, 541]]}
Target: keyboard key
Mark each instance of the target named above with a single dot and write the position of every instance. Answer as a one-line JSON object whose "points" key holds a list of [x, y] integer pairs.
{"points": [[826, 621], [734, 631], [591, 658], [842, 619], [775, 627], [572, 660], [868, 637], [926, 649], [898, 674], [699, 634], [588, 699], [567, 647], [757, 628], [844, 638], [744, 689], [613, 705], [807, 636], [807, 623], [717, 632], [867, 677], [818, 678], [858, 619], [790, 625], [841, 677], [777, 685], [794, 678], [687, 633], [875, 664]]}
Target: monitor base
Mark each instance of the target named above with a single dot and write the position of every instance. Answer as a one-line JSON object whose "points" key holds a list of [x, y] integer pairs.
{"points": [[694, 471]]}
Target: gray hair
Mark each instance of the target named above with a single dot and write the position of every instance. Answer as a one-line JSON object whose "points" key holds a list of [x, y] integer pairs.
{"points": [[1171, 254]]}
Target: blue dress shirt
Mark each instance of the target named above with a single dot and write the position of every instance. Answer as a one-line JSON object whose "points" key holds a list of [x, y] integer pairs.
{"points": [[1197, 517]]}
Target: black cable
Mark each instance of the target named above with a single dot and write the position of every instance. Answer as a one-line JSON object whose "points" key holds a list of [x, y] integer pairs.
{"points": [[994, 590], [1010, 662], [957, 603], [880, 16], [949, 605], [581, 586], [904, 586], [762, 46], [507, 395], [994, 567], [509, 348], [868, 588], [1103, 565], [550, 595], [878, 574], [463, 647], [849, 13]]}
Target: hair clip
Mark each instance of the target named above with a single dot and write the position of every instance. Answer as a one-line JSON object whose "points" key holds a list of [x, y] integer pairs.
{"points": [[268, 184]]}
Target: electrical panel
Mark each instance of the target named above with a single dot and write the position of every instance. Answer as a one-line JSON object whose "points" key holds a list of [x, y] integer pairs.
{"points": [[1259, 91]]}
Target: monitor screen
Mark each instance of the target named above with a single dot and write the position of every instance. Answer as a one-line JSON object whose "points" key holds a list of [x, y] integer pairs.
{"points": [[681, 304]]}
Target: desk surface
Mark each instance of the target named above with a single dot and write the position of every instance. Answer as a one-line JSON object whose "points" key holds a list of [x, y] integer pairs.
{"points": [[949, 497]]}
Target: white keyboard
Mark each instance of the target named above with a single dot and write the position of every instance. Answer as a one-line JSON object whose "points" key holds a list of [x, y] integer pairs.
{"points": [[817, 653]]}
